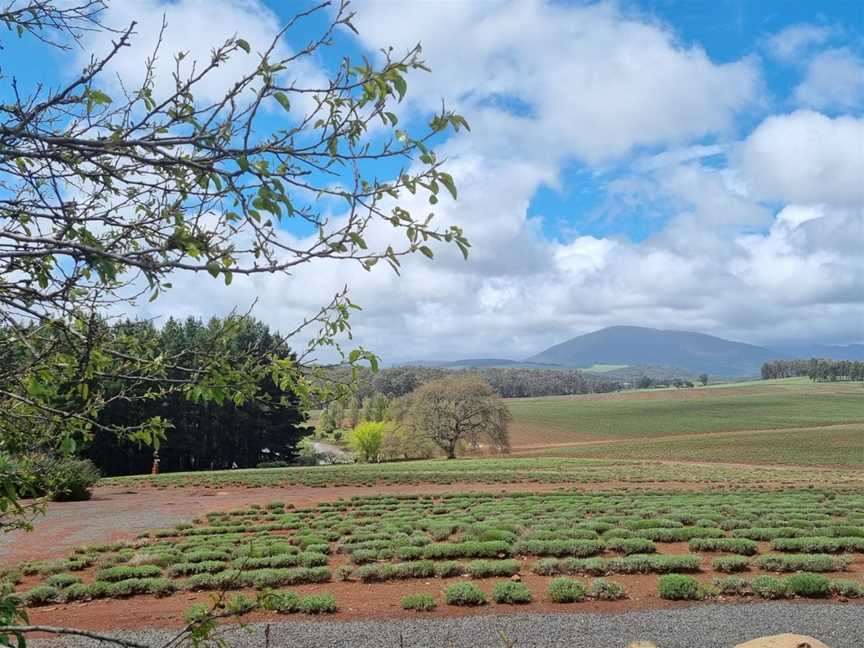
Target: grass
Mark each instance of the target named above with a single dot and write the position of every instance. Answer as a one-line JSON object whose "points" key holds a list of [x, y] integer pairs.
{"points": [[631, 415], [812, 447]]}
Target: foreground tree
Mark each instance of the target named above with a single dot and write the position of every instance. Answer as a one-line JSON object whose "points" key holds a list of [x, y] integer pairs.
{"points": [[111, 190], [457, 411]]}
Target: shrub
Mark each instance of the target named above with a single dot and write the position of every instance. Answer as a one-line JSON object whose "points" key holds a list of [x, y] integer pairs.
{"points": [[818, 545], [465, 594], [650, 563], [741, 546], [629, 546], [769, 587], [731, 585], [809, 585], [578, 548], [679, 534], [604, 590], [203, 567], [490, 549], [61, 478], [40, 595], [281, 601], [592, 566], [802, 562], [272, 464], [730, 564], [409, 553], [511, 592], [317, 604], [487, 568], [847, 588], [419, 602], [677, 587], [131, 586], [239, 604], [62, 580], [547, 567], [114, 574], [566, 590], [448, 569], [86, 591], [344, 572]]}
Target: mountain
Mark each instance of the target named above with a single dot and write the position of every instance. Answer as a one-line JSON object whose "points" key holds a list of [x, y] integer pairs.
{"points": [[693, 353]]}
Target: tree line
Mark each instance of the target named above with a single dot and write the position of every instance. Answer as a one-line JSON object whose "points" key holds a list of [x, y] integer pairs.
{"points": [[202, 433], [507, 382], [816, 369]]}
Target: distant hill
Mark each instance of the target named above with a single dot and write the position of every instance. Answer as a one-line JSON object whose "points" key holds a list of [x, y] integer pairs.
{"points": [[693, 353], [627, 352]]}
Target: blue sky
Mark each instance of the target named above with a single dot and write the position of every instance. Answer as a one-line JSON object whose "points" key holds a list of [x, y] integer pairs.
{"points": [[679, 164]]}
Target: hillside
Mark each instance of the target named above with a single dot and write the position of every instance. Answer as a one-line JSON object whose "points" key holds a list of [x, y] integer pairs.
{"points": [[634, 345]]}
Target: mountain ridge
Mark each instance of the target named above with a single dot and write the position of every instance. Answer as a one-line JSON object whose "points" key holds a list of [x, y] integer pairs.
{"points": [[687, 351]]}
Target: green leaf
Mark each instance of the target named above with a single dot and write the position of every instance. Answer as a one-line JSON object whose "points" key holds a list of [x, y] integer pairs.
{"points": [[282, 98], [244, 45], [447, 180], [426, 252], [400, 85], [213, 269]]}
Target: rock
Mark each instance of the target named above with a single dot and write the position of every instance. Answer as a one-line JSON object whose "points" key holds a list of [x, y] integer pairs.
{"points": [[783, 641], [516, 578], [642, 644]]}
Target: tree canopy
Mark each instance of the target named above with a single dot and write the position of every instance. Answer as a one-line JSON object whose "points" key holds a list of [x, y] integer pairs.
{"points": [[456, 411]]}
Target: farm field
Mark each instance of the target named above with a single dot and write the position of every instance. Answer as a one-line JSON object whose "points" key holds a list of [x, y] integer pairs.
{"points": [[361, 557], [841, 445], [505, 470], [762, 405]]}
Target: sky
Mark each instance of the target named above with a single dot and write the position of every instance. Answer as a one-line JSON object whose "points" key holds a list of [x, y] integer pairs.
{"points": [[680, 164]]}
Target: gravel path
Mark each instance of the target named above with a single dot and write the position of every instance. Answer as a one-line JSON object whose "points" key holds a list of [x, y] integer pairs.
{"points": [[699, 626]]}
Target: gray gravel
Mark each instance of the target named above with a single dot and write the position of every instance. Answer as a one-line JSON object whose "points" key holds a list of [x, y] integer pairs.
{"points": [[700, 626]]}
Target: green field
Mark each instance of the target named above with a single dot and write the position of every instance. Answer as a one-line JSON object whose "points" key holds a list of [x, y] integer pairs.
{"points": [[433, 541], [812, 447], [688, 411]]}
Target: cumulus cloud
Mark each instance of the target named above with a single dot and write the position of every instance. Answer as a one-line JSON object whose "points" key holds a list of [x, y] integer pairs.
{"points": [[194, 28], [750, 240], [833, 79], [806, 157], [796, 39], [587, 82]]}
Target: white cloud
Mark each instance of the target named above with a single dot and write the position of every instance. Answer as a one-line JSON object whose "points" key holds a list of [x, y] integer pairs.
{"points": [[806, 157], [594, 83], [195, 28], [796, 39], [833, 79], [544, 84]]}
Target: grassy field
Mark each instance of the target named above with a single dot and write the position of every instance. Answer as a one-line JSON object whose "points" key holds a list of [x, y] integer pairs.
{"points": [[643, 415], [812, 447], [433, 542]]}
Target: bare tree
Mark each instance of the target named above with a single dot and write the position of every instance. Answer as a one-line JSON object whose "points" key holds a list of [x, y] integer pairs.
{"points": [[459, 410]]}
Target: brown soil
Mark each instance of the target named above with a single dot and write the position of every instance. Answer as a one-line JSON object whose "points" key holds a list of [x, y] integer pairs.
{"points": [[358, 601], [117, 513]]}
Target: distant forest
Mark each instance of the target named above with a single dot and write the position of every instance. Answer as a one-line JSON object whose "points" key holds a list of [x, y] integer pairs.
{"points": [[819, 369], [507, 382]]}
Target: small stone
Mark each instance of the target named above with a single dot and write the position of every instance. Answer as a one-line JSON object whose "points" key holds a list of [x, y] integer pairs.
{"points": [[783, 641], [516, 578]]}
